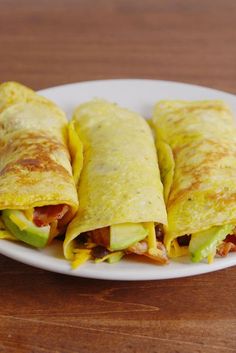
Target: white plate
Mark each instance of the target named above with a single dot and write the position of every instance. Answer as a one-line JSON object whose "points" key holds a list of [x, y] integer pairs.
{"points": [[139, 95]]}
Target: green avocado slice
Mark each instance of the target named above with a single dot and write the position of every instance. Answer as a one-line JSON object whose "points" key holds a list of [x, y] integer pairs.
{"points": [[124, 235], [203, 244], [24, 230], [115, 257]]}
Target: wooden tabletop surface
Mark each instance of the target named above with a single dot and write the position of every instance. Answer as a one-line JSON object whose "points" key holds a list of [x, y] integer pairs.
{"points": [[49, 42]]}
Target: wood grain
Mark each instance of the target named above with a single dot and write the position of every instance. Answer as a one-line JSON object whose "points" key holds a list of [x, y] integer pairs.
{"points": [[46, 43]]}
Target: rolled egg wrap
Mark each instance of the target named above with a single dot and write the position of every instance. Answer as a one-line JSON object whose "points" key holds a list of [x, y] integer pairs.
{"points": [[35, 171], [196, 143], [119, 187]]}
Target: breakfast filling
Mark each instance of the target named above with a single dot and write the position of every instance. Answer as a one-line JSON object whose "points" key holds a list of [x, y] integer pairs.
{"points": [[36, 226], [228, 245], [218, 240], [112, 243], [45, 215]]}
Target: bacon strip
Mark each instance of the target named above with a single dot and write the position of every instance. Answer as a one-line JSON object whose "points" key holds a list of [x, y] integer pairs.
{"points": [[231, 238], [141, 248], [45, 215], [228, 245], [225, 248]]}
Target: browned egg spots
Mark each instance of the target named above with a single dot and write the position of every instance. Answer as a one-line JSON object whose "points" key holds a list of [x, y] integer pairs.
{"points": [[34, 151], [211, 160]]}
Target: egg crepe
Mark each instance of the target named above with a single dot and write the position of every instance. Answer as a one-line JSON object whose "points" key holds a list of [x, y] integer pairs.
{"points": [[196, 143], [120, 192], [38, 196]]}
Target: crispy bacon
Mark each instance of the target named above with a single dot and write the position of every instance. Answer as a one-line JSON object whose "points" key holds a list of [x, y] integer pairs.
{"points": [[45, 215], [225, 248], [231, 238], [228, 245], [141, 248]]}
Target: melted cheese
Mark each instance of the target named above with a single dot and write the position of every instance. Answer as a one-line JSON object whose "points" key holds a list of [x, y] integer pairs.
{"points": [[81, 256], [176, 250], [76, 150], [29, 213], [21, 224]]}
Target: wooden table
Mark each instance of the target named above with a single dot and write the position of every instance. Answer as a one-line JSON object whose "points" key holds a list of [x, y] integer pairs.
{"points": [[46, 43]]}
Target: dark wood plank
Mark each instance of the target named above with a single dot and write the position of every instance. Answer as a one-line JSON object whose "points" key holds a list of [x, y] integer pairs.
{"points": [[48, 312], [46, 43]]}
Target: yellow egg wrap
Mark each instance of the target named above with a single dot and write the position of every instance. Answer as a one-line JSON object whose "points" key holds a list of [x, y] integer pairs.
{"points": [[120, 180], [196, 143], [35, 167]]}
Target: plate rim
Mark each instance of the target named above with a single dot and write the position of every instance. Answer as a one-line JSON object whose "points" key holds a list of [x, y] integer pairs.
{"points": [[109, 80]]}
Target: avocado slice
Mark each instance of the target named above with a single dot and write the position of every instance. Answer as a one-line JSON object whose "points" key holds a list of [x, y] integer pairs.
{"points": [[124, 235], [112, 257], [25, 230], [203, 244], [115, 257]]}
